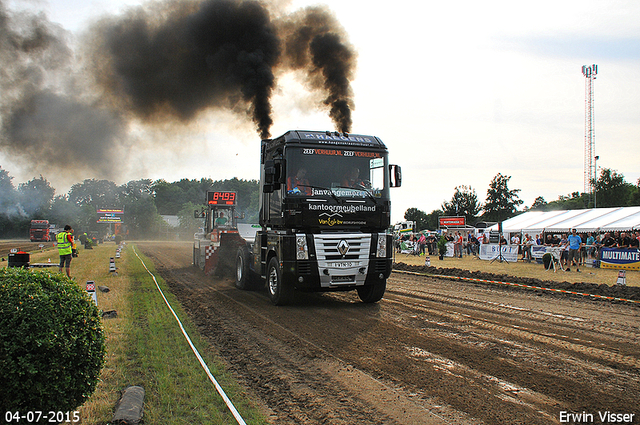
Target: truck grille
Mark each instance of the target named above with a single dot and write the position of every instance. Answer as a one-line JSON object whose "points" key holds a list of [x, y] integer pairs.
{"points": [[328, 247], [343, 258]]}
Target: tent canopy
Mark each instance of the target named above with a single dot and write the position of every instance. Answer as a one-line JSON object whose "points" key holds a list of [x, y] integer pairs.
{"points": [[586, 220]]}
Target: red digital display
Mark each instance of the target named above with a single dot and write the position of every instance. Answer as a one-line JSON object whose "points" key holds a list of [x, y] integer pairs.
{"points": [[221, 198]]}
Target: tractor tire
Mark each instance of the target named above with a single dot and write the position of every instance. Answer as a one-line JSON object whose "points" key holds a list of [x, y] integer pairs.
{"points": [[372, 293], [280, 293]]}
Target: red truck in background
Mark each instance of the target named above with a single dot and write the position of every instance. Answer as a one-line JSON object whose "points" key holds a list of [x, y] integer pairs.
{"points": [[39, 231]]}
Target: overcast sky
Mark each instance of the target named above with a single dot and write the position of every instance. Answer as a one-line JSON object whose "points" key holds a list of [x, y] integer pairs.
{"points": [[458, 91]]}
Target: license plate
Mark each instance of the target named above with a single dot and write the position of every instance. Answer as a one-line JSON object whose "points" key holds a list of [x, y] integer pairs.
{"points": [[343, 264]]}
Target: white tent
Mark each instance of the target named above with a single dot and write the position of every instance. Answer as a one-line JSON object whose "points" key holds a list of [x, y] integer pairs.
{"points": [[603, 222], [626, 224], [585, 220], [559, 220], [524, 221]]}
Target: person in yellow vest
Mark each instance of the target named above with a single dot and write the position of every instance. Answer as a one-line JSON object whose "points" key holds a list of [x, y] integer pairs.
{"points": [[66, 248]]}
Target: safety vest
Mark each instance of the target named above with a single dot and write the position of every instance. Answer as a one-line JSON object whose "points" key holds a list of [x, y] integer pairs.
{"points": [[64, 246]]}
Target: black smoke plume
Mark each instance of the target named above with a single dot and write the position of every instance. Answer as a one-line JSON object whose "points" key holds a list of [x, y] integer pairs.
{"points": [[44, 118], [315, 43], [220, 53], [214, 54], [161, 64]]}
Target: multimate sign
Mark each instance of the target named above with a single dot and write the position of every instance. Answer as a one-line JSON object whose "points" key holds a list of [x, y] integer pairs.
{"points": [[616, 258], [451, 221]]}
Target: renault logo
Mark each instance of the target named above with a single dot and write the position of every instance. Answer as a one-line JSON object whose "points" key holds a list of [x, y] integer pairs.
{"points": [[343, 247]]}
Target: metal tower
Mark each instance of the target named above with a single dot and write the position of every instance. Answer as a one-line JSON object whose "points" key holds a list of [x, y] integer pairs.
{"points": [[590, 171]]}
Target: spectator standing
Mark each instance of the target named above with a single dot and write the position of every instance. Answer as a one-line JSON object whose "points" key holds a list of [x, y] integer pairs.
{"points": [[527, 246], [66, 249], [574, 243], [624, 240], [422, 241], [608, 241], [457, 245], [473, 244], [564, 244], [591, 245]]}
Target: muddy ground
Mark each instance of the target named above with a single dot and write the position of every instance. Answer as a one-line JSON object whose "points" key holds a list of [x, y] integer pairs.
{"points": [[433, 351]]}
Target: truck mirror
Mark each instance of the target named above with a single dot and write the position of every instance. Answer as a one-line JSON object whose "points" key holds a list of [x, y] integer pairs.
{"points": [[395, 172], [272, 173], [269, 172], [198, 214]]}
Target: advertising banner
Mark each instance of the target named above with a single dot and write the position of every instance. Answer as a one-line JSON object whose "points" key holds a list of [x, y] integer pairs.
{"points": [[109, 216], [620, 258], [451, 221], [491, 251], [537, 251]]}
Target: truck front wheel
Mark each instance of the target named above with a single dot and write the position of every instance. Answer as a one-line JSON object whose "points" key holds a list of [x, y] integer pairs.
{"points": [[372, 293], [279, 292]]}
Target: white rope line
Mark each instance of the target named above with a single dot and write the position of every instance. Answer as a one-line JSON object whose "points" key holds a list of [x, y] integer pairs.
{"points": [[195, 350]]}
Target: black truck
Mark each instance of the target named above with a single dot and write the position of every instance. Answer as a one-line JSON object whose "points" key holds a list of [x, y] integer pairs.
{"points": [[325, 211]]}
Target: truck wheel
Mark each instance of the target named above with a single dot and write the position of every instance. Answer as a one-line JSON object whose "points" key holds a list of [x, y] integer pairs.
{"points": [[245, 278], [279, 292], [372, 293]]}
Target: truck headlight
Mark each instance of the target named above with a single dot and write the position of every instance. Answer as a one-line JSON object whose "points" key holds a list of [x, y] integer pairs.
{"points": [[381, 251], [302, 250]]}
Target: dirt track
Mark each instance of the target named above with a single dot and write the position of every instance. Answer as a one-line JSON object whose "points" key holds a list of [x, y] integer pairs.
{"points": [[431, 352]]}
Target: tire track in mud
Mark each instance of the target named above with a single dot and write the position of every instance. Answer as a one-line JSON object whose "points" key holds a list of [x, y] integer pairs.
{"points": [[468, 353], [581, 351], [298, 381], [549, 329]]}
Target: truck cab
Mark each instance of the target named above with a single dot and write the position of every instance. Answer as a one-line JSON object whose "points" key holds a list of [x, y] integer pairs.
{"points": [[324, 213]]}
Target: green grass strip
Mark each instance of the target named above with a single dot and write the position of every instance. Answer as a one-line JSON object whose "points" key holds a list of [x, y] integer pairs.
{"points": [[178, 390]]}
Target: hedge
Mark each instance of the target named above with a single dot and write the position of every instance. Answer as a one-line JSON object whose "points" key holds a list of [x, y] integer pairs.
{"points": [[52, 344]]}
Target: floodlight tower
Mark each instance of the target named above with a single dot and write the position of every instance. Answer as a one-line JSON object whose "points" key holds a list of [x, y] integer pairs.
{"points": [[589, 73]]}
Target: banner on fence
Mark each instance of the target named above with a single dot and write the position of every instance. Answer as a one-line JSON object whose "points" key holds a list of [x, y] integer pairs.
{"points": [[490, 251], [620, 258]]}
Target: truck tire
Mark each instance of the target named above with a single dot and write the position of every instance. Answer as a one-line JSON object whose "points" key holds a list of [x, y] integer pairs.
{"points": [[245, 278], [372, 293], [280, 293]]}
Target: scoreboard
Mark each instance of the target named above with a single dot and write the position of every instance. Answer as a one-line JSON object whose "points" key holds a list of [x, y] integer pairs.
{"points": [[221, 198]]}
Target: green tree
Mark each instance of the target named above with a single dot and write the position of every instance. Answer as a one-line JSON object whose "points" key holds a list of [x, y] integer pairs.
{"points": [[142, 219], [64, 212], [433, 219], [501, 202], [36, 197], [612, 190], [13, 219], [189, 224], [98, 193], [136, 189], [635, 196], [539, 204], [419, 216], [464, 203], [170, 198], [573, 201]]}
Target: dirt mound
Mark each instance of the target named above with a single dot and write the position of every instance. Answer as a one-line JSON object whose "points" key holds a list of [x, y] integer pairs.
{"points": [[617, 291]]}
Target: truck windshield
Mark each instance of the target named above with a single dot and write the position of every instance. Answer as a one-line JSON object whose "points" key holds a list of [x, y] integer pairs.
{"points": [[336, 172]]}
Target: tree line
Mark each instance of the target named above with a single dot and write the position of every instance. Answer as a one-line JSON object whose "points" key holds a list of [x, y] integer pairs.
{"points": [[143, 201], [501, 203]]}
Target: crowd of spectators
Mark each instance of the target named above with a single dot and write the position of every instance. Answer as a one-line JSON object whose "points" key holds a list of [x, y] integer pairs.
{"points": [[575, 248]]}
